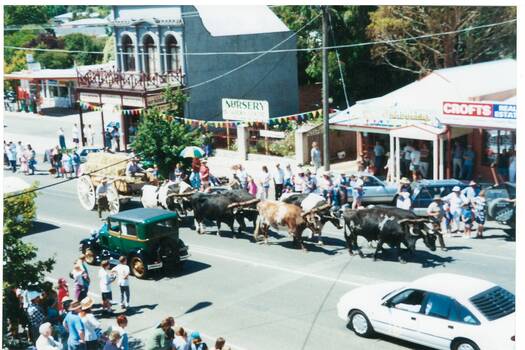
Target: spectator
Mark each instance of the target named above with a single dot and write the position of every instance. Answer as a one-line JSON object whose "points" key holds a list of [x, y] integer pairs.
{"points": [[468, 163], [75, 134], [89, 134], [415, 162], [455, 203], [35, 314], [180, 342], [115, 135], [120, 327], [197, 343], [457, 161], [242, 175], [107, 139], [512, 167], [278, 180], [265, 181], [390, 168], [252, 186], [91, 324], [299, 181], [161, 337], [6, 158], [76, 163], [466, 218], [406, 158], [404, 185], [122, 271], [379, 154], [177, 175], [113, 341], [75, 328], [404, 201], [63, 292], [468, 193], [31, 162], [219, 344], [204, 173], [20, 151], [310, 184], [326, 186], [45, 341], [195, 179], [61, 138], [315, 156], [105, 279], [479, 204], [12, 155], [57, 161], [424, 160], [81, 281], [288, 174], [357, 193], [24, 161]]}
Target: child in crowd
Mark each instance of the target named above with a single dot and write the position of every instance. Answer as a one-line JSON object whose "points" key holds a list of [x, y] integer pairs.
{"points": [[467, 218]]}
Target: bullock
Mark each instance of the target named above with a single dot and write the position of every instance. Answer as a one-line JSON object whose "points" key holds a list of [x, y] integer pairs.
{"points": [[280, 215], [217, 207], [169, 196], [310, 201], [392, 226]]}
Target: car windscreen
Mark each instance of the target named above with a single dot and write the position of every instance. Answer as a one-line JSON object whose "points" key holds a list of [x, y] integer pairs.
{"points": [[164, 227], [494, 303]]}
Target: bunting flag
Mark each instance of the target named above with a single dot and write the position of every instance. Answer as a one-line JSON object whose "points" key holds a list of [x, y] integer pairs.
{"points": [[133, 112], [89, 107]]}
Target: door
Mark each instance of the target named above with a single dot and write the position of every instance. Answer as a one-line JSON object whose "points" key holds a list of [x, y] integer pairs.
{"points": [[435, 328], [403, 313], [374, 190], [114, 231]]}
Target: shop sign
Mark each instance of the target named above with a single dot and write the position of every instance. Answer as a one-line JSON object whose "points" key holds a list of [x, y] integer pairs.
{"points": [[468, 109], [88, 97], [156, 99], [272, 134], [111, 99], [52, 82], [133, 101], [505, 111], [245, 110]]}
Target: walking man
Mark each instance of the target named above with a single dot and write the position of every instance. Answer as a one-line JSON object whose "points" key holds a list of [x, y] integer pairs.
{"points": [[90, 135], [457, 161], [75, 328], [122, 271], [11, 155], [278, 180], [101, 196], [315, 156], [379, 153]]}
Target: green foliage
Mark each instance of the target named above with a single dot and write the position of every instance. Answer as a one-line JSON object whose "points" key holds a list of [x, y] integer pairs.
{"points": [[55, 60], [422, 56], [161, 140], [109, 50], [55, 10], [175, 98], [15, 60], [82, 42], [23, 14], [284, 147], [21, 269]]}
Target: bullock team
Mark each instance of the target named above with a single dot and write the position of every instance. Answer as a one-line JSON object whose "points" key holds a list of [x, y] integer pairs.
{"points": [[295, 213]]}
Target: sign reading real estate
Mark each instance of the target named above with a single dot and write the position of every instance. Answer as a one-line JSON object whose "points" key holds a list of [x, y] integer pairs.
{"points": [[479, 114], [245, 110]]}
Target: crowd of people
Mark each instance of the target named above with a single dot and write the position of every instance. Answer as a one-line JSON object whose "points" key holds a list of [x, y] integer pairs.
{"points": [[19, 157], [60, 319]]}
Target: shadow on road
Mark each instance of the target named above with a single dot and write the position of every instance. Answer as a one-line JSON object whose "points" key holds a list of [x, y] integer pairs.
{"points": [[39, 227], [397, 341], [190, 266], [425, 258]]}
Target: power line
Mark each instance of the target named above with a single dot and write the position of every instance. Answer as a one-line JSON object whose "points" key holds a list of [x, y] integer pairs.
{"points": [[319, 48], [338, 60]]}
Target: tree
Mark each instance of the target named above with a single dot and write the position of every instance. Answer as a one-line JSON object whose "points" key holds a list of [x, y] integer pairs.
{"points": [[21, 269], [55, 60], [109, 50], [424, 55], [82, 42], [23, 14]]}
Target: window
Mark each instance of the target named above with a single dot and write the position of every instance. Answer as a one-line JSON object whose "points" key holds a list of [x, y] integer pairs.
{"points": [[128, 52], [408, 300], [459, 313], [114, 225], [370, 181], [164, 227], [495, 142], [172, 54], [129, 229], [150, 57], [438, 305]]}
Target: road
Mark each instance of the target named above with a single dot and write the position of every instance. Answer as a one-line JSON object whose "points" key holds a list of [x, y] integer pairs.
{"points": [[258, 296]]}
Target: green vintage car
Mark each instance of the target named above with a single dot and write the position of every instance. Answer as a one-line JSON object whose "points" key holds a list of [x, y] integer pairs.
{"points": [[148, 237]]}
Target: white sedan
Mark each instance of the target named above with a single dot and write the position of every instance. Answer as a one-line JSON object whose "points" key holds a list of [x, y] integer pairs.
{"points": [[442, 311]]}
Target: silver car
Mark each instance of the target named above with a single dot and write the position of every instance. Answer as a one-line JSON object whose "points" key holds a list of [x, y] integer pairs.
{"points": [[375, 190]]}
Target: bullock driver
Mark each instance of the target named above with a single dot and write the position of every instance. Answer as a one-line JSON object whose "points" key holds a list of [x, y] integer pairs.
{"points": [[437, 211], [133, 169], [101, 196]]}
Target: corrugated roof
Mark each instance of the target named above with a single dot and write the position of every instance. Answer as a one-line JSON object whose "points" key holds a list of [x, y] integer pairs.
{"points": [[239, 20], [69, 73], [87, 21]]}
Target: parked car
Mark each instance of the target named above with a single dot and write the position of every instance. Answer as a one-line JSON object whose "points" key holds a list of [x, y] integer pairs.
{"points": [[83, 153], [376, 191], [474, 315], [423, 192], [148, 237]]}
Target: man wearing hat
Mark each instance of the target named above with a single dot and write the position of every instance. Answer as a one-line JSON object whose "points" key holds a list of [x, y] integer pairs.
{"points": [[454, 202], [299, 181], [75, 328], [35, 314], [437, 211], [101, 195], [470, 192], [133, 169]]}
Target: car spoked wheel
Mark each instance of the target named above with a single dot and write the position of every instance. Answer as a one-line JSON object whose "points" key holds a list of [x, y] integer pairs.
{"points": [[360, 324], [465, 344], [137, 267]]}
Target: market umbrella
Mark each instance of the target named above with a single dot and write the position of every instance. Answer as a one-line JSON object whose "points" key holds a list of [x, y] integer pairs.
{"points": [[192, 152]]}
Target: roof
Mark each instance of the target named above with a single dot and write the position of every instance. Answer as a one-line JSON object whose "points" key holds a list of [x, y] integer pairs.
{"points": [[240, 20], [465, 287], [86, 22], [445, 182], [66, 15], [144, 215], [55, 74]]}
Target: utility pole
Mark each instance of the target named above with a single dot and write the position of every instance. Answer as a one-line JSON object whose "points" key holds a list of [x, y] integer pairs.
{"points": [[326, 117]]}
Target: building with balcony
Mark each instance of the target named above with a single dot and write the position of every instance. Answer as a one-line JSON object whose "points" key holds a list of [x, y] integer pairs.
{"points": [[209, 51]]}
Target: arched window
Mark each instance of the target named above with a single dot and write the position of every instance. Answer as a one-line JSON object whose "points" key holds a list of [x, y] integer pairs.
{"points": [[172, 53], [129, 53], [150, 58]]}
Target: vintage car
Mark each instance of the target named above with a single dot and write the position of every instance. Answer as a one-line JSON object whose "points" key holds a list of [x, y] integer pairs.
{"points": [[148, 237], [423, 192]]}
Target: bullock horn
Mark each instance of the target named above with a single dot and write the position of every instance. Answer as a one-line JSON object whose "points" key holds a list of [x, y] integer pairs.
{"points": [[413, 220], [243, 204], [185, 194], [315, 210]]}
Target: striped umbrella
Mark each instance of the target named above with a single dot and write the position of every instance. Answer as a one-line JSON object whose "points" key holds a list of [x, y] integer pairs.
{"points": [[192, 152]]}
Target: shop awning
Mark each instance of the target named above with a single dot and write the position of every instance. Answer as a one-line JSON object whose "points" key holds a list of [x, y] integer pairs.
{"points": [[55, 74], [418, 132]]}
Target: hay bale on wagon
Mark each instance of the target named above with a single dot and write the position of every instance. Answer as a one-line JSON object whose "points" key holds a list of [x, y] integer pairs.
{"points": [[111, 164]]}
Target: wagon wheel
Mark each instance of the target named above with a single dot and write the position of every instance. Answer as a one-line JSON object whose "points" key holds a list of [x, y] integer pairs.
{"points": [[86, 192], [113, 200]]}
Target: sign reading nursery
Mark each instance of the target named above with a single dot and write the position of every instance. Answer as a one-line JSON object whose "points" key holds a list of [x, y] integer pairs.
{"points": [[245, 110]]}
